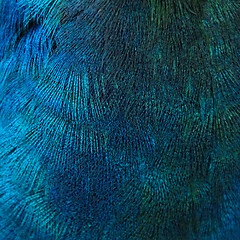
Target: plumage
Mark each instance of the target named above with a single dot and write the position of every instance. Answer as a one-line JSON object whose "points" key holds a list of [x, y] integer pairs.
{"points": [[119, 119]]}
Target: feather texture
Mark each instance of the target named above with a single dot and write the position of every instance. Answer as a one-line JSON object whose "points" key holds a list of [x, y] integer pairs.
{"points": [[119, 119]]}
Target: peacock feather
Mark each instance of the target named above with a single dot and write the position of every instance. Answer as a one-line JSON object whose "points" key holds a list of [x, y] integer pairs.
{"points": [[119, 119]]}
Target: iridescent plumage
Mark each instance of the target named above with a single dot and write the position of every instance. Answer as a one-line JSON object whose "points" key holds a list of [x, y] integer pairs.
{"points": [[119, 119]]}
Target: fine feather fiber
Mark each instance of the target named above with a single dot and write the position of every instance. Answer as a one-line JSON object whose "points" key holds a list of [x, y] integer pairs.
{"points": [[119, 120]]}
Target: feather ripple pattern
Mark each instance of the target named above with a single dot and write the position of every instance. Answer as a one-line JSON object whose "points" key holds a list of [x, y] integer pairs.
{"points": [[119, 119]]}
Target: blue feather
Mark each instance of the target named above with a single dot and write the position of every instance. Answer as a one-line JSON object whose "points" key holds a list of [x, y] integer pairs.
{"points": [[119, 119]]}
